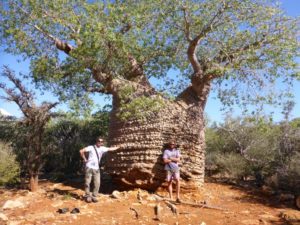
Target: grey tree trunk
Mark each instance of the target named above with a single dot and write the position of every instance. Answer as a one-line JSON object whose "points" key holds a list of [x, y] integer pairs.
{"points": [[139, 162]]}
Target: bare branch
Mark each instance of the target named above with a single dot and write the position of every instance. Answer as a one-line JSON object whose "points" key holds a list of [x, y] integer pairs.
{"points": [[11, 76], [25, 99]]}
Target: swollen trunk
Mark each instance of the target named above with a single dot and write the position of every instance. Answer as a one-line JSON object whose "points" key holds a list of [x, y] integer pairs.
{"points": [[139, 161]]}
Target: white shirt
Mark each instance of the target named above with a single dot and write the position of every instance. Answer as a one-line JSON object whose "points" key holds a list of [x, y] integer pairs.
{"points": [[92, 161]]}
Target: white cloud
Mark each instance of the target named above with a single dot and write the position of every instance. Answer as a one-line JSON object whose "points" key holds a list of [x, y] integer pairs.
{"points": [[3, 112]]}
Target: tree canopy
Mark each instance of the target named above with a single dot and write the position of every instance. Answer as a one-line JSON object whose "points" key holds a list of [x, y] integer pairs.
{"points": [[78, 47]]}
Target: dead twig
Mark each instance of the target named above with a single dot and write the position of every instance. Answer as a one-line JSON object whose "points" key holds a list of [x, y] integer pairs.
{"points": [[201, 205], [135, 212], [157, 212], [172, 207]]}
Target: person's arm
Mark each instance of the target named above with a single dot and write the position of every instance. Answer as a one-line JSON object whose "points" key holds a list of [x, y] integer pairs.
{"points": [[82, 154], [166, 160], [177, 159], [113, 148]]}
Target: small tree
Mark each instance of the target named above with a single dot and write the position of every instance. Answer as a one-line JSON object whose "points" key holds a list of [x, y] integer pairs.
{"points": [[32, 125], [243, 147]]}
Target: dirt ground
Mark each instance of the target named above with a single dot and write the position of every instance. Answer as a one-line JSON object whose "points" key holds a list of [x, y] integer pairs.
{"points": [[224, 204]]}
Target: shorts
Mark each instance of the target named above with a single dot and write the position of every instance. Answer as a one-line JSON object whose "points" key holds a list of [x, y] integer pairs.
{"points": [[173, 175]]}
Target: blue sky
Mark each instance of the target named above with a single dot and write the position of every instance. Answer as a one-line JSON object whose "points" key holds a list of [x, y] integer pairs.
{"points": [[213, 105]]}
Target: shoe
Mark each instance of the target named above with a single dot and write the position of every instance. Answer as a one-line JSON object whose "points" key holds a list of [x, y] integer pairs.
{"points": [[88, 199], [63, 210], [178, 200], [75, 210], [94, 200]]}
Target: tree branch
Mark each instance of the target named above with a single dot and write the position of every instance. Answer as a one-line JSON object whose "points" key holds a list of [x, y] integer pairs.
{"points": [[194, 43], [187, 24], [95, 89], [61, 45]]}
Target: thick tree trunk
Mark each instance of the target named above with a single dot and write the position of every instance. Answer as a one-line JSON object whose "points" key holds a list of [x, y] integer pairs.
{"points": [[33, 182], [139, 161]]}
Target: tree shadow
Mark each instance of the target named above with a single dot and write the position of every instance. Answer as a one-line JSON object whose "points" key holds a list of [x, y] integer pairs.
{"points": [[158, 171], [66, 193], [254, 194]]}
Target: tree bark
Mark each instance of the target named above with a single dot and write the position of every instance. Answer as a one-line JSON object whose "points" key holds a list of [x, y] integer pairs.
{"points": [[33, 182], [139, 162]]}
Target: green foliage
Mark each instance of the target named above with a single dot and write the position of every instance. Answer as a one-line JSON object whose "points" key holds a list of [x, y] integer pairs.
{"points": [[233, 165], [253, 147], [135, 106], [244, 44], [12, 131], [64, 137], [292, 176], [9, 167]]}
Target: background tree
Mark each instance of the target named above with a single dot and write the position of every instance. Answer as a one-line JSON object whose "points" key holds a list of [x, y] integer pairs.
{"points": [[32, 126], [249, 148], [115, 47]]}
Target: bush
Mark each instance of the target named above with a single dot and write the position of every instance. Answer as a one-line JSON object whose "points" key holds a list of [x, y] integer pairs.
{"points": [[232, 165], [9, 168], [289, 179], [256, 148]]}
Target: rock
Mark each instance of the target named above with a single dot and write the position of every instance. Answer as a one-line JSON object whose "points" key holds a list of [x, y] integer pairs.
{"points": [[245, 212], [3, 217], [291, 216], [263, 222], [268, 218], [10, 204], [151, 198], [116, 195], [52, 195]]}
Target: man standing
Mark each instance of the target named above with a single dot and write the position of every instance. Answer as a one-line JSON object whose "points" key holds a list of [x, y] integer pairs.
{"points": [[92, 169], [171, 158]]}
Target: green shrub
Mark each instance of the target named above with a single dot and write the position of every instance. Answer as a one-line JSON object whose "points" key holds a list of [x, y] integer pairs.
{"points": [[289, 179], [232, 165], [9, 168]]}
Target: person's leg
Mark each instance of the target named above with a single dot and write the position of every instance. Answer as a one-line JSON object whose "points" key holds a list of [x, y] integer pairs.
{"points": [[96, 174], [169, 180], [87, 181], [177, 179]]}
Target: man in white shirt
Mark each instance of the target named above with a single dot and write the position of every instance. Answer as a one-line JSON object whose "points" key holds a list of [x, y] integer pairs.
{"points": [[92, 170]]}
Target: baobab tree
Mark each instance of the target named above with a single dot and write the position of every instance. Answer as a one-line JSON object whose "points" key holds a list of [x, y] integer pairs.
{"points": [[32, 125], [119, 47]]}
